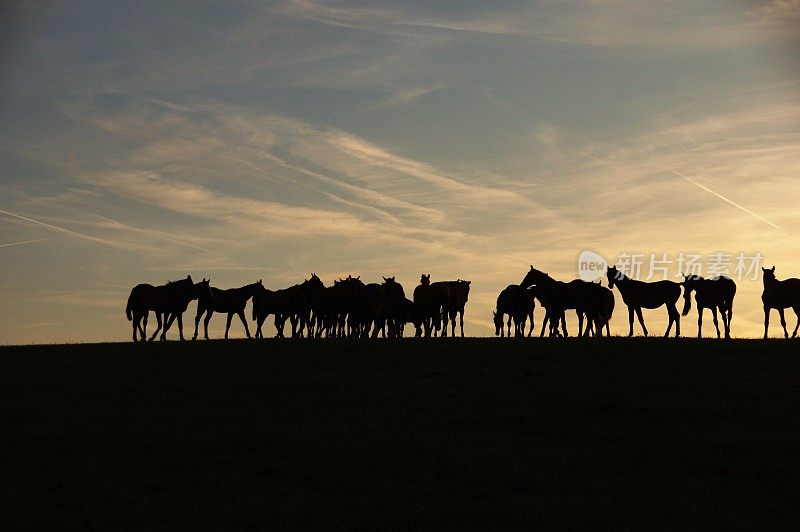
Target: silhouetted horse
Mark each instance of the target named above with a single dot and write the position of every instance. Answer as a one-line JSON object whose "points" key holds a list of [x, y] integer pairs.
{"points": [[371, 311], [780, 295], [262, 307], [431, 300], [173, 297], [458, 295], [411, 314], [203, 290], [639, 294], [393, 306], [518, 304], [556, 297], [716, 293], [293, 303], [231, 301], [312, 292], [600, 314]]}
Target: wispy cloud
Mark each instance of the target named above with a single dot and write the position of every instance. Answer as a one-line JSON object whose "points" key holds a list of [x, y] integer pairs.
{"points": [[26, 242]]}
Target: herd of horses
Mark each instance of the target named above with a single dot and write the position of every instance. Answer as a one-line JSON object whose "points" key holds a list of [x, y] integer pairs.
{"points": [[351, 308], [347, 309]]}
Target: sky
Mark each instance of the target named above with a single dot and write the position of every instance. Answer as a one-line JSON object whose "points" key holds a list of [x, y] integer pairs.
{"points": [[145, 141]]}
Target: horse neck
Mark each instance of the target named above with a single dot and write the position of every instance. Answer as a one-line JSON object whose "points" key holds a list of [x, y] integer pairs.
{"points": [[623, 283], [250, 289], [771, 284]]}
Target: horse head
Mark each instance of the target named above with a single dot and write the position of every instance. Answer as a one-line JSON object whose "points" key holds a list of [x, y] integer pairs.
{"points": [[614, 276], [425, 280], [314, 283], [203, 289], [534, 276], [769, 274], [498, 323]]}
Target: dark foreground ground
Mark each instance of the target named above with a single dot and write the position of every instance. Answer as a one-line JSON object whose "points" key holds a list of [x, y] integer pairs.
{"points": [[477, 433]]}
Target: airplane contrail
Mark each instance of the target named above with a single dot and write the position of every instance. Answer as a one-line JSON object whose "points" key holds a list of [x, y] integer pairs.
{"points": [[57, 228], [26, 242], [723, 198]]}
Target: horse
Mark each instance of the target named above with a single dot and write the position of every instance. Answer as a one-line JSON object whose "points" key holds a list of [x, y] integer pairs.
{"points": [[293, 303], [716, 293], [640, 294], [371, 310], [780, 295], [393, 303], [557, 297], [598, 314], [167, 299], [262, 307], [412, 314], [231, 301], [312, 290], [458, 295], [518, 304], [431, 298], [203, 290]]}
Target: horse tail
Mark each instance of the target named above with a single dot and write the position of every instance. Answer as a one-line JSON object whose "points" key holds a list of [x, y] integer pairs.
{"points": [[687, 305], [128, 308]]}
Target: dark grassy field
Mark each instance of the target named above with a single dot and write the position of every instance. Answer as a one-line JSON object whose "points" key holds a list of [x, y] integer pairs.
{"points": [[474, 433]]}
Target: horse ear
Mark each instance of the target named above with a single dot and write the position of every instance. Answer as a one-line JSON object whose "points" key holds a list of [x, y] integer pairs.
{"points": [[494, 314], [772, 269]]}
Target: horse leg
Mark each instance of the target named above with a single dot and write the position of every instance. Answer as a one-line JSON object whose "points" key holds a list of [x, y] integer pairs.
{"points": [[641, 320], [545, 320], [209, 313], [674, 317], [530, 330], [168, 319], [580, 323], [563, 323], [143, 325], [180, 326], [158, 319], [699, 321], [797, 314], [228, 324], [783, 322], [135, 325], [246, 328], [197, 321], [630, 320], [716, 323], [461, 322]]}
